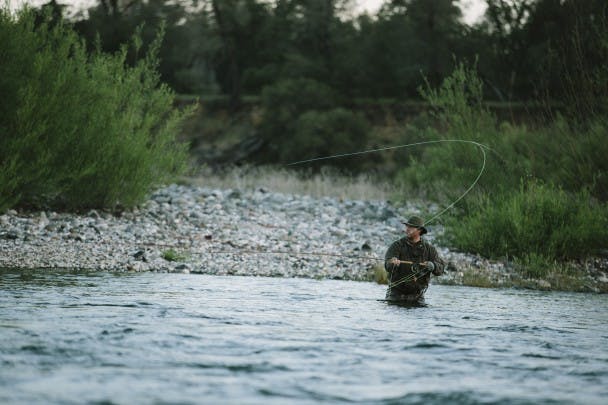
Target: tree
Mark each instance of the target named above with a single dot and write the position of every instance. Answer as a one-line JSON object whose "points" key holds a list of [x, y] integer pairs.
{"points": [[112, 23], [573, 36], [506, 22], [411, 39], [546, 48]]}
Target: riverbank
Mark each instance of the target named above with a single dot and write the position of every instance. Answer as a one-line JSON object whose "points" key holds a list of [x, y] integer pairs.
{"points": [[191, 229]]}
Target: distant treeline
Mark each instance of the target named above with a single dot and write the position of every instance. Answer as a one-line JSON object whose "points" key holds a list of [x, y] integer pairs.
{"points": [[523, 49]]}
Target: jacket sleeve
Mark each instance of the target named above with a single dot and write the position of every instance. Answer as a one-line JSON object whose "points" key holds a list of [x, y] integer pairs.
{"points": [[393, 251], [439, 263]]}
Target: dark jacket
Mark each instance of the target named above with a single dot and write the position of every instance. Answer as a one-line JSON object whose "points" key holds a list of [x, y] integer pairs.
{"points": [[415, 285]]}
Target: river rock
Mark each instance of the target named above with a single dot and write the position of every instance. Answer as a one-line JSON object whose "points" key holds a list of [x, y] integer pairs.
{"points": [[234, 231]]}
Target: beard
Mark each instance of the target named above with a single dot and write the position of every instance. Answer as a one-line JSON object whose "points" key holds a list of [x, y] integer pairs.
{"points": [[412, 235]]}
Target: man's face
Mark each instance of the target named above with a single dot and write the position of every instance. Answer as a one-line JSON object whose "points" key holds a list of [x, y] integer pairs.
{"points": [[412, 232]]}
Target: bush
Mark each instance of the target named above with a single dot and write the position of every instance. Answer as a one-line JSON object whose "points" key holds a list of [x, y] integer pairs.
{"points": [[445, 170], [536, 221], [172, 255], [516, 210], [79, 131], [458, 103], [582, 161], [557, 153]]}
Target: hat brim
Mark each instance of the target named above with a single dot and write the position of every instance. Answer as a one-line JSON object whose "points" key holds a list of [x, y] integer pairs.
{"points": [[423, 230]]}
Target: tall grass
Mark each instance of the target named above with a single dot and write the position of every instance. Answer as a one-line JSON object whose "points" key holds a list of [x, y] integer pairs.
{"points": [[326, 182], [78, 130]]}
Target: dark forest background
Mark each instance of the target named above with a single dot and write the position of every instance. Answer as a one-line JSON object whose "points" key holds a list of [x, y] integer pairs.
{"points": [[264, 69], [524, 49]]}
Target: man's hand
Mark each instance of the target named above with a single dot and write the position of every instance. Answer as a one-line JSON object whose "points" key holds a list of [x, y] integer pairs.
{"points": [[429, 265], [394, 261]]}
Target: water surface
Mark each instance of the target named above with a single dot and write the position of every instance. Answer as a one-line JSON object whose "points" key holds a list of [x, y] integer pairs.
{"points": [[169, 338]]}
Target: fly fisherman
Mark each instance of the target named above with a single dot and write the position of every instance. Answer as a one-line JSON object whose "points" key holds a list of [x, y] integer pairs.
{"points": [[409, 262]]}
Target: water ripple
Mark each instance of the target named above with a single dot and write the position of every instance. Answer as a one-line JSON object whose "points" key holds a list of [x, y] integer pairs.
{"points": [[167, 338]]}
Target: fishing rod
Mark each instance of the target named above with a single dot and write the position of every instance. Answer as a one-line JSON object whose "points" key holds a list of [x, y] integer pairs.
{"points": [[287, 252], [411, 277], [262, 252], [363, 152]]}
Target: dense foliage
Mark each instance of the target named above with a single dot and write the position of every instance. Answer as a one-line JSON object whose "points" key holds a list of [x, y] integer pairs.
{"points": [[535, 219], [79, 130], [303, 119]]}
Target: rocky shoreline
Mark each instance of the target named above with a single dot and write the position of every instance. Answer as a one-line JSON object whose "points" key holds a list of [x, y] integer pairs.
{"points": [[191, 229]]}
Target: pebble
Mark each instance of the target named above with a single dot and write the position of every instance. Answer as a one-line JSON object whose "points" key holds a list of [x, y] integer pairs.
{"points": [[216, 231]]}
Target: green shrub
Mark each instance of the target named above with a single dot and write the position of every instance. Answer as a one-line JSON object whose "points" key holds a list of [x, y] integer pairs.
{"points": [[444, 171], [477, 279], [570, 155], [380, 275], [539, 272], [535, 224], [582, 157], [458, 103], [535, 265], [558, 152], [80, 131], [172, 255]]}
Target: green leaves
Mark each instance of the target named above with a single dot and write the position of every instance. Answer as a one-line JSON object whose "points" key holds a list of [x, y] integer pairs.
{"points": [[82, 131], [538, 219]]}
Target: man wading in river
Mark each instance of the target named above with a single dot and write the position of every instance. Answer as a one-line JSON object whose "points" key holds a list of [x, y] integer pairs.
{"points": [[409, 262]]}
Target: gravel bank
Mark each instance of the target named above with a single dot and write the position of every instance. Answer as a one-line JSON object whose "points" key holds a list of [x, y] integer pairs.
{"points": [[240, 232]]}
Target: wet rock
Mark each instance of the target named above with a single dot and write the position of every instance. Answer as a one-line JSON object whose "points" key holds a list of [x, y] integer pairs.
{"points": [[543, 284], [136, 267], [182, 268], [140, 255], [11, 235]]}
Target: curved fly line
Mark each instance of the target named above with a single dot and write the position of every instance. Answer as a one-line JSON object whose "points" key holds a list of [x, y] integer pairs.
{"points": [[481, 147]]}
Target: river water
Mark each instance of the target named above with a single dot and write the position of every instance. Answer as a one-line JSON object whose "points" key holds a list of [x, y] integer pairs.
{"points": [[184, 338]]}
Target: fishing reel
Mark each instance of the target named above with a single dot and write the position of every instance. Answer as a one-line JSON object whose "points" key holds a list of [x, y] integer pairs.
{"points": [[420, 269], [417, 268]]}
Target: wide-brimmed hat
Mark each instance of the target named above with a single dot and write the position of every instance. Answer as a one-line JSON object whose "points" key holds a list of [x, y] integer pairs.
{"points": [[416, 222]]}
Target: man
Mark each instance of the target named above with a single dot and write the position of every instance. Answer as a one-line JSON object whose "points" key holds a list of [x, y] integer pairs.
{"points": [[409, 262]]}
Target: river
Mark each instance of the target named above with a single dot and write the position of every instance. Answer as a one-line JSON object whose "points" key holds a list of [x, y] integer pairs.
{"points": [[121, 338]]}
